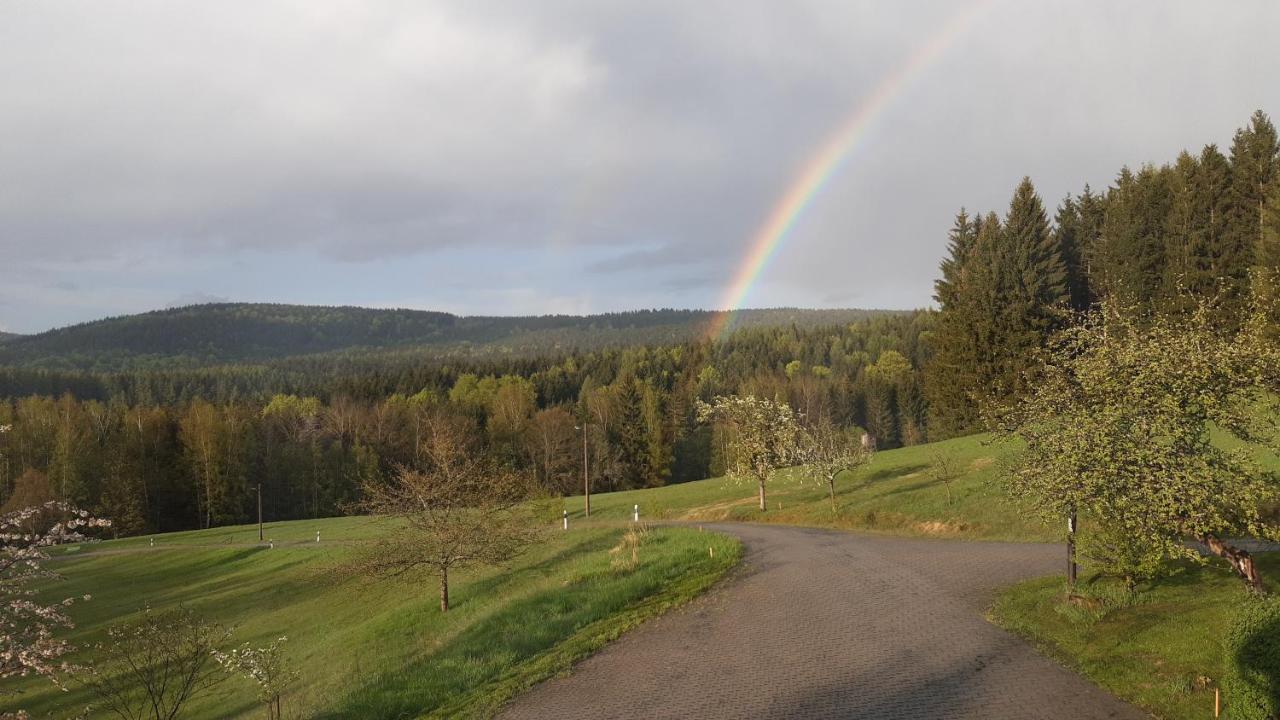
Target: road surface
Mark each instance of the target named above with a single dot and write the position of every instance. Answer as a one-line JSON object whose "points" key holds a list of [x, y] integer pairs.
{"points": [[824, 624]]}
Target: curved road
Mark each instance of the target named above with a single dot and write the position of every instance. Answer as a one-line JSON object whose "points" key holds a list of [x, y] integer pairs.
{"points": [[821, 624]]}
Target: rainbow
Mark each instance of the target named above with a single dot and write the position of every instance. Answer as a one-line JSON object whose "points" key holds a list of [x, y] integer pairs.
{"points": [[827, 162]]}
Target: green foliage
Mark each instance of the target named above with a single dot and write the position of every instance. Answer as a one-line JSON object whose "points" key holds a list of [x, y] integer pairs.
{"points": [[1252, 646], [1113, 552], [765, 435], [1119, 427]]}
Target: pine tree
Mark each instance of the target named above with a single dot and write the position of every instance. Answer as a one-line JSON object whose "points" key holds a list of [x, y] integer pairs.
{"points": [[1132, 247], [632, 434], [1091, 209], [1030, 290], [1254, 152], [949, 373], [1068, 231]]}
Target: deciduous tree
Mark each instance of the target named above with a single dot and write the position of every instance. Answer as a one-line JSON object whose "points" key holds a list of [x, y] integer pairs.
{"points": [[765, 436], [1119, 427], [460, 509]]}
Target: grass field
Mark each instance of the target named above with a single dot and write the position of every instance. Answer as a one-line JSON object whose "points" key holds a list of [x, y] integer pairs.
{"points": [[1160, 649], [385, 649], [893, 494]]}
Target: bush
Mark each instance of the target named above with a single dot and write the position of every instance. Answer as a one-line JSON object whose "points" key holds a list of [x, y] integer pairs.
{"points": [[1251, 687]]}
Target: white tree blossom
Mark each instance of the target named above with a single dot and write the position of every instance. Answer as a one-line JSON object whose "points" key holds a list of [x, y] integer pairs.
{"points": [[29, 642]]}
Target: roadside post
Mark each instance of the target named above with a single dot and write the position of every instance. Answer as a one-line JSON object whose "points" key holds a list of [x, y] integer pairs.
{"points": [[1071, 550]]}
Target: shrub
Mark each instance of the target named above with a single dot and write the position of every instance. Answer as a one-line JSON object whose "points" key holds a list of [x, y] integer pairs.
{"points": [[1251, 687]]}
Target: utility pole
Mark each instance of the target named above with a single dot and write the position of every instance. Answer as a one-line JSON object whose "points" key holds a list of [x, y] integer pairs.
{"points": [[259, 512], [586, 475]]}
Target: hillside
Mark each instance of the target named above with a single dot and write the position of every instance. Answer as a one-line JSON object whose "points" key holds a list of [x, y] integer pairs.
{"points": [[219, 334], [5, 336]]}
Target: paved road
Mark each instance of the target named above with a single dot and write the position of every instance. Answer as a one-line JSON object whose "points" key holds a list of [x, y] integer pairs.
{"points": [[821, 624]]}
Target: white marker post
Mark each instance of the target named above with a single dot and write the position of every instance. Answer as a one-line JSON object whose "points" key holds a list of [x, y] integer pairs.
{"points": [[271, 544], [566, 519], [635, 514], [317, 536], [153, 542]]}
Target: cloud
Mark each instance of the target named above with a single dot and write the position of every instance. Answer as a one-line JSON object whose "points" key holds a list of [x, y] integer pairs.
{"points": [[632, 149]]}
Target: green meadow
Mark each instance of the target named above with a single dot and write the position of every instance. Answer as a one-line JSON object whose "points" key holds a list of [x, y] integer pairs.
{"points": [[384, 649], [895, 493], [1160, 649]]}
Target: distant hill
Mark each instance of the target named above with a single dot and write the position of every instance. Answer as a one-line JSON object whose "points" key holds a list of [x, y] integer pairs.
{"points": [[245, 333], [5, 336]]}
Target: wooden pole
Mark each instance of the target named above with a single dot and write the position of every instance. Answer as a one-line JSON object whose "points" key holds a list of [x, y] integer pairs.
{"points": [[259, 512], [586, 475]]}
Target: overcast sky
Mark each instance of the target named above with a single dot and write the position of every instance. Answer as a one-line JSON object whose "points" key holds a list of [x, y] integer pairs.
{"points": [[557, 156]]}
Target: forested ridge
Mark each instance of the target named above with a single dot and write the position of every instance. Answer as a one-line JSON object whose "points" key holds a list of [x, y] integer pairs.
{"points": [[246, 333], [164, 431]]}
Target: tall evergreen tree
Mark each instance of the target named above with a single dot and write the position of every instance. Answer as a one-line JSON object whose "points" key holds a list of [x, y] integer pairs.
{"points": [[1091, 209], [1069, 231], [1132, 247], [632, 434], [1254, 152], [949, 372], [1031, 289], [1240, 246]]}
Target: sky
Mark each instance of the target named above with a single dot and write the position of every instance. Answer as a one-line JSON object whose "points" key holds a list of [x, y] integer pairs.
{"points": [[512, 158]]}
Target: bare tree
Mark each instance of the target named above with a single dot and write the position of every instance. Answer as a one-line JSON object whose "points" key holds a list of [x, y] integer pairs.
{"points": [[149, 669], [828, 451], [944, 468], [459, 510]]}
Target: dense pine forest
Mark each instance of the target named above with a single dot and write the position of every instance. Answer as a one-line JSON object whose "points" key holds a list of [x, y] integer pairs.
{"points": [[173, 419]]}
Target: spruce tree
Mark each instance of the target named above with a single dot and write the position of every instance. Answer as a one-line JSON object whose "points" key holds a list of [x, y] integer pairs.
{"points": [[632, 434], [1211, 265], [1031, 289], [1091, 208], [1132, 255], [1254, 151], [950, 370], [1070, 234]]}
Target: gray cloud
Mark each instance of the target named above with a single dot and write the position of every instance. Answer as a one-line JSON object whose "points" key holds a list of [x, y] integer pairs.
{"points": [[634, 148]]}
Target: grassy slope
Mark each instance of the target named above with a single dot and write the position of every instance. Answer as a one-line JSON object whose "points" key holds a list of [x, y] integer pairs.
{"points": [[1150, 652], [385, 649], [893, 494]]}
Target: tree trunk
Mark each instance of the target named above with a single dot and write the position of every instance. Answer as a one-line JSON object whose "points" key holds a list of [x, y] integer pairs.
{"points": [[444, 591], [1240, 561], [832, 487], [763, 507]]}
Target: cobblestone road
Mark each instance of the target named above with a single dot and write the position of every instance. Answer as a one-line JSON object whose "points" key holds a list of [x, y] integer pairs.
{"points": [[822, 624]]}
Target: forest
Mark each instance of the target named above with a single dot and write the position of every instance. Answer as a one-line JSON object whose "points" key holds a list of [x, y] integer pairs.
{"points": [[193, 452], [175, 419]]}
